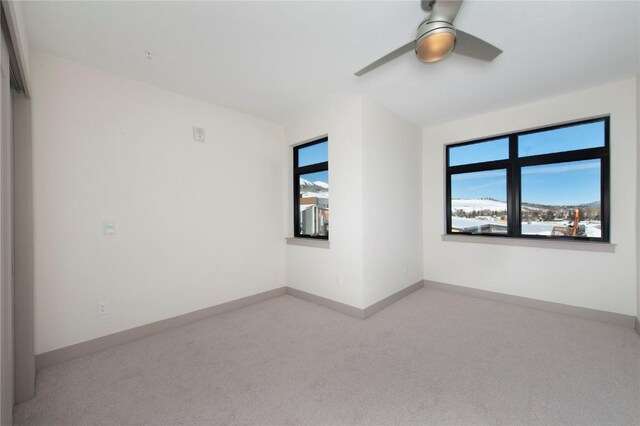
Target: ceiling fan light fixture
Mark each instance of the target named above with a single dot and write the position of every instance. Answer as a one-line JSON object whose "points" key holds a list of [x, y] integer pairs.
{"points": [[435, 41], [436, 38], [435, 47]]}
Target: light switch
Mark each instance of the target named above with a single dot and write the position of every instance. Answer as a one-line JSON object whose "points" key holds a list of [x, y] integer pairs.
{"points": [[109, 227], [198, 134]]}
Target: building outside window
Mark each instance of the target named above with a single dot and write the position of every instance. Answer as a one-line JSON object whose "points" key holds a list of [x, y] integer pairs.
{"points": [[311, 189], [546, 183]]}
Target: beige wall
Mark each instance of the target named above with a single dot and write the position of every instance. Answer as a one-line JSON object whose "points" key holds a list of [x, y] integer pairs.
{"points": [[197, 224], [6, 244], [604, 281]]}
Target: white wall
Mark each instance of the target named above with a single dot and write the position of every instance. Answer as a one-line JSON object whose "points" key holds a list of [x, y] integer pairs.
{"points": [[374, 198], [605, 281], [638, 200], [105, 147], [392, 211], [334, 273], [197, 224]]}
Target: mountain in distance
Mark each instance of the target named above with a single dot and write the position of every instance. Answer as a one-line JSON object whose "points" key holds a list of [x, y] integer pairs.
{"points": [[593, 204], [531, 212], [492, 203], [314, 189]]}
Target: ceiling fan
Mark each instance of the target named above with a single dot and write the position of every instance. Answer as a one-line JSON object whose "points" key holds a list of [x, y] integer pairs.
{"points": [[437, 38]]}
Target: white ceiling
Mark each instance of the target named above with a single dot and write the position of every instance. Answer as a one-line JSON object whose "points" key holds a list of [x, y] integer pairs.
{"points": [[278, 60]]}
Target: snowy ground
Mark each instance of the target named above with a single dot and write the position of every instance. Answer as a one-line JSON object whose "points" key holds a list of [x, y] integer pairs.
{"points": [[592, 228]]}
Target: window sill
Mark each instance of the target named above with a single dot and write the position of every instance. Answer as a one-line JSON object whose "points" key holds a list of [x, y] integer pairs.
{"points": [[308, 242], [530, 242]]}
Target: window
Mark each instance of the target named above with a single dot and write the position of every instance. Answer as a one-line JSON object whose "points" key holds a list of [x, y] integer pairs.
{"points": [[545, 183], [311, 189]]}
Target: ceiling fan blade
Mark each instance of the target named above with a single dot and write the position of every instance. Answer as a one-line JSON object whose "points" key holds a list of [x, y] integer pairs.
{"points": [[472, 46], [389, 57], [445, 10]]}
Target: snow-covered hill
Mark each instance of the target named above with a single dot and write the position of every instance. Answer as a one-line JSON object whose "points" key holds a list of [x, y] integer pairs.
{"points": [[314, 189], [478, 205], [491, 204]]}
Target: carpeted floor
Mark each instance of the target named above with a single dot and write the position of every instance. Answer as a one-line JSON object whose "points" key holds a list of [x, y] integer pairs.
{"points": [[431, 358]]}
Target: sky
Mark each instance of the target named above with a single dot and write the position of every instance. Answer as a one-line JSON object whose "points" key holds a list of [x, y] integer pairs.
{"points": [[564, 139], [487, 184], [572, 183], [318, 153], [561, 184], [317, 176], [497, 149]]}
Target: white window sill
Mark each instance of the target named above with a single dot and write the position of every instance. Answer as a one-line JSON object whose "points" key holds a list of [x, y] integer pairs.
{"points": [[531, 242], [308, 242]]}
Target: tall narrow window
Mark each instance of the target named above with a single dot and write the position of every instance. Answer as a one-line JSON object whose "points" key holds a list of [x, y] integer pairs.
{"points": [[311, 189], [545, 183]]}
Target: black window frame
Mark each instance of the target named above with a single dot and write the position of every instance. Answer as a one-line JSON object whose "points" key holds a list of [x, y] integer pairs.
{"points": [[297, 172], [513, 166]]}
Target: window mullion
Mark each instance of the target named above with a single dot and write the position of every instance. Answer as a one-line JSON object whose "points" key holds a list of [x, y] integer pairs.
{"points": [[296, 204], [605, 182], [563, 157], [479, 167], [513, 189], [448, 201], [312, 168]]}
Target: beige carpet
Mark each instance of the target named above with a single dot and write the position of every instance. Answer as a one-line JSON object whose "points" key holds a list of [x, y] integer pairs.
{"points": [[431, 358]]}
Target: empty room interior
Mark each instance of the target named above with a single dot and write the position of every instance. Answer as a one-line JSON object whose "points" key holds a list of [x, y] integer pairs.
{"points": [[320, 212]]}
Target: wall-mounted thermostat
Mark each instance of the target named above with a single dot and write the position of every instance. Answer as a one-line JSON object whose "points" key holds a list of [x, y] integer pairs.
{"points": [[198, 134]]}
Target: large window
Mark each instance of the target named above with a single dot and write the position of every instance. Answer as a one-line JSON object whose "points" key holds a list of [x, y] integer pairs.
{"points": [[546, 183], [311, 189]]}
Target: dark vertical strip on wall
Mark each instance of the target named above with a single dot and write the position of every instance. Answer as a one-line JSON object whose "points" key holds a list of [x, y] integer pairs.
{"points": [[23, 319]]}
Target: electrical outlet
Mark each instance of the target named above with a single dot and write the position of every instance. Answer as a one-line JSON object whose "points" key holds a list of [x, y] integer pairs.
{"points": [[109, 227], [103, 308]]}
